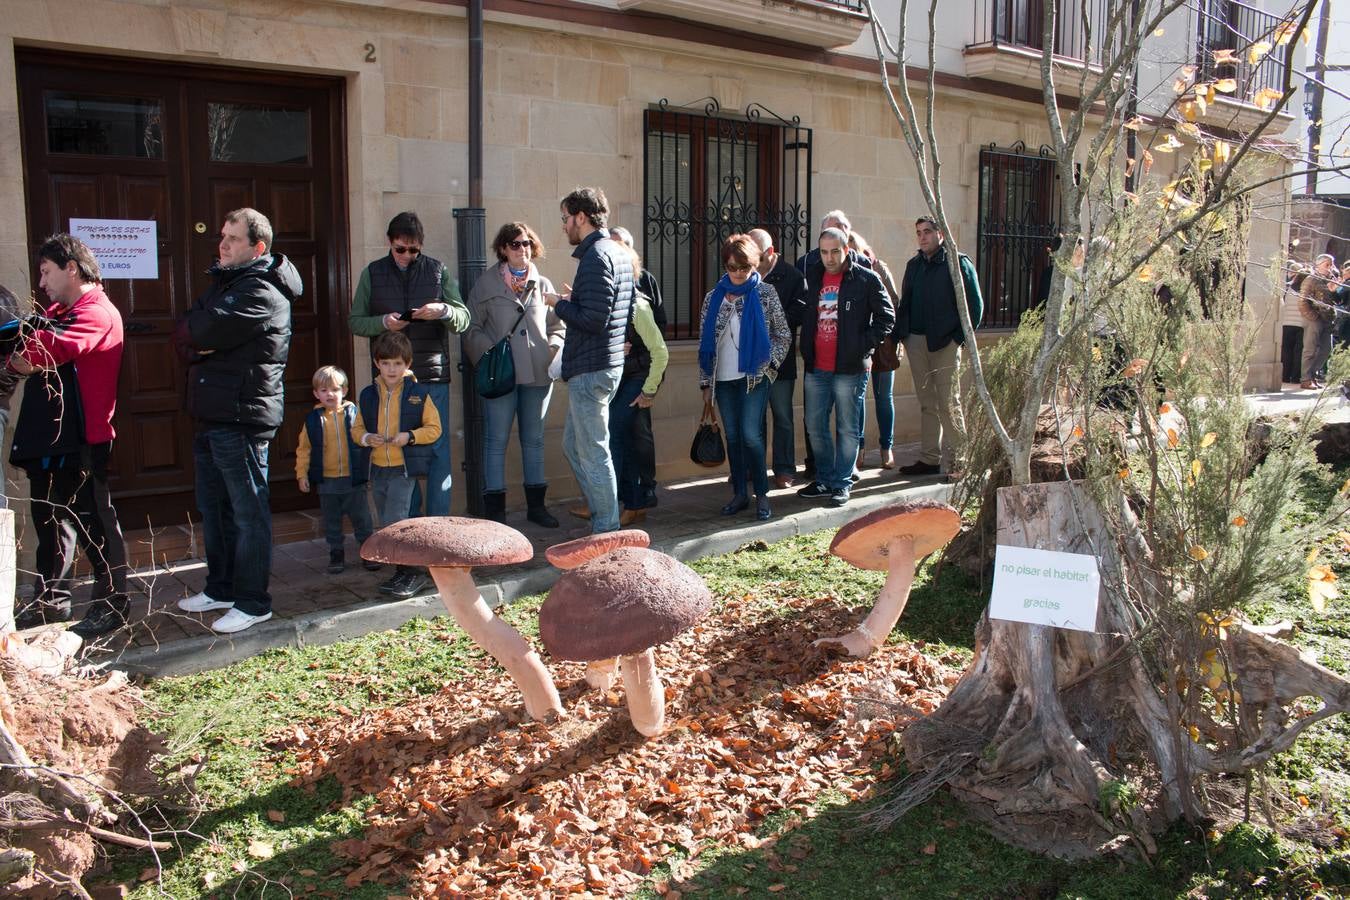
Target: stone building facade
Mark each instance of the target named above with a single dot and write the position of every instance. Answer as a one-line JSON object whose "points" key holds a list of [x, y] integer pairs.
{"points": [[366, 101]]}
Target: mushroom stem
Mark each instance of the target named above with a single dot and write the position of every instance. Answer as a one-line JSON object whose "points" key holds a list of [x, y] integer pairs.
{"points": [[646, 696], [602, 673], [465, 605], [873, 630]]}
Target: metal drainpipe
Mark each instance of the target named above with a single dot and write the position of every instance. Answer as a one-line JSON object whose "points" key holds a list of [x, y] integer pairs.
{"points": [[1313, 108], [471, 251]]}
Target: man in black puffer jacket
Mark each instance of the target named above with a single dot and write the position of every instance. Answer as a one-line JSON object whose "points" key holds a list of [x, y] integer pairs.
{"points": [[236, 339], [596, 313]]}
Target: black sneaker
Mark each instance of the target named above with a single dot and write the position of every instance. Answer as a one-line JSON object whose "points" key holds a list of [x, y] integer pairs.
{"points": [[838, 498], [409, 585], [370, 565], [814, 491], [393, 585], [36, 612], [337, 562], [920, 468], [103, 617]]}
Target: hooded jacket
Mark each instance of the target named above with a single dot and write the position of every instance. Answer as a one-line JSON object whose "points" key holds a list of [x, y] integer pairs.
{"points": [[236, 339], [865, 315]]}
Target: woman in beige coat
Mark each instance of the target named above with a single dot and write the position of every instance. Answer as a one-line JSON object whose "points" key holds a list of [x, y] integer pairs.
{"points": [[508, 299]]}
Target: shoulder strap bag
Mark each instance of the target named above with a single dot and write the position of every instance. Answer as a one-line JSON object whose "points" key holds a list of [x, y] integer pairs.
{"points": [[495, 374]]}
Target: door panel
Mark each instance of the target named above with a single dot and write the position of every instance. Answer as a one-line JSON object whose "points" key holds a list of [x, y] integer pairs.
{"points": [[183, 145]]}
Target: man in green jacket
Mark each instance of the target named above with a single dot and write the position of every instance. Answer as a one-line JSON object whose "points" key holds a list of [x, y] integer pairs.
{"points": [[409, 291], [928, 324]]}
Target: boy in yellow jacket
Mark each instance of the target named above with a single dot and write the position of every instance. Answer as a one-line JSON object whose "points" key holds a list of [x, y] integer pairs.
{"points": [[328, 460], [398, 423]]}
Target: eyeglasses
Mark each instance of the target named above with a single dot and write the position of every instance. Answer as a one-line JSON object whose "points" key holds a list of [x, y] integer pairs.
{"points": [[520, 245], [405, 251], [737, 270], [566, 217]]}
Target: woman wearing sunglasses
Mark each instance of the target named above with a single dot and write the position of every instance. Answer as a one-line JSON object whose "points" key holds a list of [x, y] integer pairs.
{"points": [[507, 299], [742, 341]]}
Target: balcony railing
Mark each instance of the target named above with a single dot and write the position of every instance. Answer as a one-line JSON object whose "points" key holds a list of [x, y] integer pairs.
{"points": [[1227, 25], [1021, 24], [816, 23], [855, 5]]}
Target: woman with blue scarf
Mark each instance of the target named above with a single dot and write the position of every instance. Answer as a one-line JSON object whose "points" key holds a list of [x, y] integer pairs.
{"points": [[742, 341]]}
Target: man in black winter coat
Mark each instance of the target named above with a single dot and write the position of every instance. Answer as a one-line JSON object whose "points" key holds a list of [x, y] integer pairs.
{"points": [[847, 313], [236, 339]]}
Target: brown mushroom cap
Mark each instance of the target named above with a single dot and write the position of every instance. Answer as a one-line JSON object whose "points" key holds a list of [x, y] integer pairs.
{"points": [[571, 554], [447, 541], [622, 603], [865, 541]]}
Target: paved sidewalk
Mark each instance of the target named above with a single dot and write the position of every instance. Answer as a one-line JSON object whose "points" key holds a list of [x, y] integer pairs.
{"points": [[311, 607]]}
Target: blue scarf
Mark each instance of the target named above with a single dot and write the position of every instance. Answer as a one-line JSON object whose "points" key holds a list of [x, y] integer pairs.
{"points": [[754, 350]]}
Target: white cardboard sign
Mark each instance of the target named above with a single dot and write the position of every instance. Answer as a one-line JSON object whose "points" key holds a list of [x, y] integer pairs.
{"points": [[124, 248], [1045, 587]]}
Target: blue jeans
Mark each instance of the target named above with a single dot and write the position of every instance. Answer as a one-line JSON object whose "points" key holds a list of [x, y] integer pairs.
{"points": [[337, 498], [529, 404], [837, 448], [743, 423], [438, 473], [631, 447], [392, 490], [586, 444], [883, 400], [784, 440], [233, 498]]}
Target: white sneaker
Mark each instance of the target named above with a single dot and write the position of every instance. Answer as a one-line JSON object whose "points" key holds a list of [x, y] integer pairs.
{"points": [[235, 620], [202, 603]]}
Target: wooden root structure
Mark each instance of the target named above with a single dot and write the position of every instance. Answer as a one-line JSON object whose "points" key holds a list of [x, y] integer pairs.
{"points": [[1047, 726], [52, 815]]}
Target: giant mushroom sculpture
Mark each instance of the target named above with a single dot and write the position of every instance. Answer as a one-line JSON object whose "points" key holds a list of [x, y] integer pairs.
{"points": [[892, 539], [600, 673], [450, 546], [623, 604]]}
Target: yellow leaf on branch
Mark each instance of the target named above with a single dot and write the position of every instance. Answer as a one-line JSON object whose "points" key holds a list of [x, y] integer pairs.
{"points": [[1208, 440], [1267, 97], [1224, 57], [1173, 438], [1257, 51], [1198, 553], [1226, 85], [1239, 521], [1284, 33], [1196, 468]]}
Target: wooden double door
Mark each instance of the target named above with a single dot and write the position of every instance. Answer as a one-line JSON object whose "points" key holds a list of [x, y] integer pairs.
{"points": [[183, 145]]}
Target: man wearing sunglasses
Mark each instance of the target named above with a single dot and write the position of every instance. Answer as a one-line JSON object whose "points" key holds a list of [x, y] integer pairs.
{"points": [[411, 292]]}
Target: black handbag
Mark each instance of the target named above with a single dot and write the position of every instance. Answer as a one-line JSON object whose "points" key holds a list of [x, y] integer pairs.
{"points": [[708, 449], [495, 374]]}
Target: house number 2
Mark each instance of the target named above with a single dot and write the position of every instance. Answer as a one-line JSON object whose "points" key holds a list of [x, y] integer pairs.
{"points": [[370, 52]]}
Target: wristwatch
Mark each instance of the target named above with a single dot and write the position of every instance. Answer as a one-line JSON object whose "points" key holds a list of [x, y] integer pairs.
{"points": [[412, 439]]}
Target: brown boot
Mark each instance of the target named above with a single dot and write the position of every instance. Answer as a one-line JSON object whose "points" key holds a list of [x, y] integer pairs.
{"points": [[632, 517], [583, 511]]}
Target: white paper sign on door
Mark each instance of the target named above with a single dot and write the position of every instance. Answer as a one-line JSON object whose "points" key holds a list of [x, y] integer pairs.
{"points": [[124, 248], [1045, 587]]}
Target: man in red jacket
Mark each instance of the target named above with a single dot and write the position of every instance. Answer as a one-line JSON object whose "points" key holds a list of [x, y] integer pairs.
{"points": [[64, 436]]}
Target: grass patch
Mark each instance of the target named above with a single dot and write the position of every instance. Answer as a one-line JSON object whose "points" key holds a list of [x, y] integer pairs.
{"points": [[280, 836]]}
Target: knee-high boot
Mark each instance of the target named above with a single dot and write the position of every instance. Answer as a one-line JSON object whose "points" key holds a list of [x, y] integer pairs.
{"points": [[536, 512]]}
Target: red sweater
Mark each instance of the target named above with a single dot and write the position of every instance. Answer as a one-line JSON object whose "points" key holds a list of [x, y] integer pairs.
{"points": [[89, 331]]}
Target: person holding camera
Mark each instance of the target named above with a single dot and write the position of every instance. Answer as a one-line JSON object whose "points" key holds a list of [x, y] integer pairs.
{"points": [[63, 439], [410, 292]]}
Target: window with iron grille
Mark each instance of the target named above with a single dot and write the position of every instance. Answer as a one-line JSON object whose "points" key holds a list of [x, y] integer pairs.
{"points": [[1019, 203], [708, 175]]}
